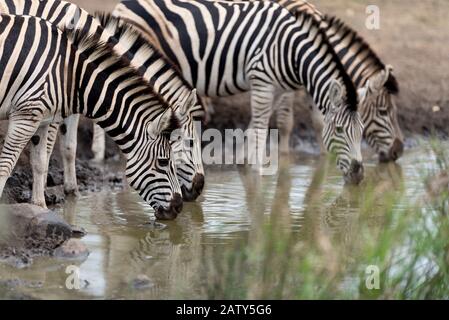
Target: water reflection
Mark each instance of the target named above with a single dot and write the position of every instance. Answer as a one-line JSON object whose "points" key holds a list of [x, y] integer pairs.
{"points": [[303, 202]]}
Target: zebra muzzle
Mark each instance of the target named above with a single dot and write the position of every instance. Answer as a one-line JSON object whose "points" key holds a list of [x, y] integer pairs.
{"points": [[197, 188], [395, 152], [355, 173], [173, 209]]}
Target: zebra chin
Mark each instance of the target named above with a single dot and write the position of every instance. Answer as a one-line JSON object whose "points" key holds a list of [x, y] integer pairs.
{"points": [[194, 192], [172, 211]]}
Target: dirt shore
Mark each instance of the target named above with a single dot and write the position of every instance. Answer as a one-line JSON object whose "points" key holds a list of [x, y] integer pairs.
{"points": [[413, 37]]}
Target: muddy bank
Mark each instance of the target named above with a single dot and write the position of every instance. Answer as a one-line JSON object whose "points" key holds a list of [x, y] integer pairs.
{"points": [[28, 231], [90, 176]]}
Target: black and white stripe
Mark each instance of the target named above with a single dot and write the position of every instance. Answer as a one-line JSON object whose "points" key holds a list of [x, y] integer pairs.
{"points": [[47, 75], [154, 68], [377, 107], [224, 48]]}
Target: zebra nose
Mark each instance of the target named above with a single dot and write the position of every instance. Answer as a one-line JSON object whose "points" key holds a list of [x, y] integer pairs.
{"points": [[396, 150], [197, 188], [355, 173], [198, 183], [356, 167], [176, 203], [172, 211]]}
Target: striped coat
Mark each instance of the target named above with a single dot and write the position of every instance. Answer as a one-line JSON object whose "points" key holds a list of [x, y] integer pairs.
{"points": [[156, 70], [225, 48], [48, 75]]}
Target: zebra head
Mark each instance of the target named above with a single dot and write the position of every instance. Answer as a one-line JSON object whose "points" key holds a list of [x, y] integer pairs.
{"points": [[342, 134], [150, 167], [186, 146], [379, 115]]}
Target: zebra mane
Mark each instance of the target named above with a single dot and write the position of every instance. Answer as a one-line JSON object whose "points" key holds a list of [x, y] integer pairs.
{"points": [[351, 92], [94, 48], [127, 33], [341, 28]]}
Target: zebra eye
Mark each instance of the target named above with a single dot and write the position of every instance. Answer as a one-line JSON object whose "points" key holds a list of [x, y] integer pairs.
{"points": [[339, 130], [163, 162], [383, 113]]}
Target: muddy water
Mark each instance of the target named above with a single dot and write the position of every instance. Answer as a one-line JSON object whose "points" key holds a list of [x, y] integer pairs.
{"points": [[132, 258]]}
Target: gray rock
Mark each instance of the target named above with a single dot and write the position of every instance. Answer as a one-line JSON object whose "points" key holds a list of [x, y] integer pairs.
{"points": [[78, 232], [142, 282], [72, 249], [154, 225], [32, 227]]}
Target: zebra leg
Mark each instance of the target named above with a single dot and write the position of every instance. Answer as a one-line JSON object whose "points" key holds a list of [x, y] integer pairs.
{"points": [[21, 128], [318, 125], [262, 97], [51, 140], [38, 158], [284, 119], [98, 144], [68, 143]]}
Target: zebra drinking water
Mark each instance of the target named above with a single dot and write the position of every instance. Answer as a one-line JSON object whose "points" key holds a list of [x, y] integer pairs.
{"points": [[378, 109], [48, 74], [224, 48], [151, 65]]}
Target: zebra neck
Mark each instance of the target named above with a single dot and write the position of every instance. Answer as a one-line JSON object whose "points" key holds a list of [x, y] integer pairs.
{"points": [[155, 69], [114, 97], [357, 57], [315, 78]]}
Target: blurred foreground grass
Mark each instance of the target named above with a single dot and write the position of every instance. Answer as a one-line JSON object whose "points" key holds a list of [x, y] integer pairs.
{"points": [[406, 257]]}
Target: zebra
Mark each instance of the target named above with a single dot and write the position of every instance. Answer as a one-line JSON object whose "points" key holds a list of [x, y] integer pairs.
{"points": [[224, 48], [378, 110], [154, 68], [48, 74], [169, 83]]}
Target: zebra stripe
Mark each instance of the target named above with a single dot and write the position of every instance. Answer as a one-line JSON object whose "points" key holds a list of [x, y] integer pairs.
{"points": [[224, 48], [49, 74], [168, 82], [157, 70], [377, 108]]}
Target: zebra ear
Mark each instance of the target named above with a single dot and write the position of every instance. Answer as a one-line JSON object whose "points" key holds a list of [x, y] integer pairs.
{"points": [[165, 123], [336, 94], [362, 92], [188, 103], [378, 81]]}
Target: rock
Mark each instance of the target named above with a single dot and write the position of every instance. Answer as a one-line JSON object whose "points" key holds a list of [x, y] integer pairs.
{"points": [[32, 227], [18, 186], [72, 249], [78, 232], [54, 195], [153, 224], [16, 282], [18, 259], [142, 282]]}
